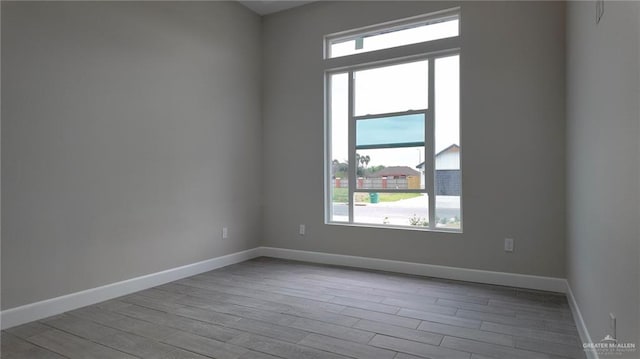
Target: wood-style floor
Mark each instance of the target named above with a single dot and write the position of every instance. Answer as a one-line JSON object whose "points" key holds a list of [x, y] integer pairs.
{"points": [[269, 308]]}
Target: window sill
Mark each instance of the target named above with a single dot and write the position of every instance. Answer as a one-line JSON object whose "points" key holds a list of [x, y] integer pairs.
{"points": [[403, 228]]}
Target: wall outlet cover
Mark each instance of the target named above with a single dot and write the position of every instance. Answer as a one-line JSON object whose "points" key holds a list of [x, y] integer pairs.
{"points": [[508, 244]]}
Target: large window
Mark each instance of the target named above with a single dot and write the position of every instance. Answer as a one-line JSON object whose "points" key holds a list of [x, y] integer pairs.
{"points": [[393, 142]]}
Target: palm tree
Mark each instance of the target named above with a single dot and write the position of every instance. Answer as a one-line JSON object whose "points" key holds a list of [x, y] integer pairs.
{"points": [[362, 162], [365, 160]]}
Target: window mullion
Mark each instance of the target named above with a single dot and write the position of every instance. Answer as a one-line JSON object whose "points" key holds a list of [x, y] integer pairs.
{"points": [[389, 114], [352, 147], [429, 148]]}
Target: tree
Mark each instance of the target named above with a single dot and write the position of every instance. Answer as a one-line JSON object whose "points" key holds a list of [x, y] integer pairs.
{"points": [[365, 160], [373, 169], [334, 167], [339, 169], [362, 162]]}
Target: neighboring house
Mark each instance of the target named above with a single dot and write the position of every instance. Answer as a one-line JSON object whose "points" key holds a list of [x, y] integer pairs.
{"points": [[448, 179], [400, 177], [396, 172]]}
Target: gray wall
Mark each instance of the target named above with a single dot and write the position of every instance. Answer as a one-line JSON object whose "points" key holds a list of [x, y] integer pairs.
{"points": [[603, 187], [131, 134], [512, 113]]}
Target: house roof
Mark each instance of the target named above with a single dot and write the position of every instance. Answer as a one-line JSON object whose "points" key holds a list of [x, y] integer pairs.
{"points": [[452, 147], [396, 171]]}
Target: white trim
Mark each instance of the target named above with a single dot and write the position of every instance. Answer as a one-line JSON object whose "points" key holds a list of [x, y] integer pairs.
{"points": [[551, 284], [430, 137], [582, 327], [46, 308], [352, 166]]}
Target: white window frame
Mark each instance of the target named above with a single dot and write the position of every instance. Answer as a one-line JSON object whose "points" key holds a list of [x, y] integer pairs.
{"points": [[361, 61]]}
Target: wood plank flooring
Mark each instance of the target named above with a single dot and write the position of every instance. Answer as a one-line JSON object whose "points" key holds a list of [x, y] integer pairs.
{"points": [[268, 308]]}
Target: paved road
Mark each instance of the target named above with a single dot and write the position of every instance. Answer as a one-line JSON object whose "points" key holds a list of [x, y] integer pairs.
{"points": [[399, 212]]}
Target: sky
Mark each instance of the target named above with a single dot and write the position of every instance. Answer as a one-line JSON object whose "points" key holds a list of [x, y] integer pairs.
{"points": [[397, 88]]}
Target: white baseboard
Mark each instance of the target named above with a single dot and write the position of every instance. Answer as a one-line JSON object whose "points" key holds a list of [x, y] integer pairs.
{"points": [[46, 308], [582, 327], [465, 274]]}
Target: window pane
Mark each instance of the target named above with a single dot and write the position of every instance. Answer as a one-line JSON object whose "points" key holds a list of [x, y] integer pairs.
{"points": [[448, 214], [406, 35], [398, 209], [390, 168], [448, 181], [340, 204], [447, 101], [338, 146], [397, 131], [393, 88]]}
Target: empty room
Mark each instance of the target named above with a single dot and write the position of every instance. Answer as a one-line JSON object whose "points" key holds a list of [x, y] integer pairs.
{"points": [[320, 179]]}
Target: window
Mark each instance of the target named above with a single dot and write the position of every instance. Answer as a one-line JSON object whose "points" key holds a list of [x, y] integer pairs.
{"points": [[398, 33], [393, 142]]}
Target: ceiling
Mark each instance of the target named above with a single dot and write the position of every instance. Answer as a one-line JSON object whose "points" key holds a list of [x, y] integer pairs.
{"points": [[265, 7]]}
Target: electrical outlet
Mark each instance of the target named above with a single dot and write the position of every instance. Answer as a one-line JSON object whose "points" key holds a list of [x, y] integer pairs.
{"points": [[225, 233], [302, 230], [508, 244], [612, 324]]}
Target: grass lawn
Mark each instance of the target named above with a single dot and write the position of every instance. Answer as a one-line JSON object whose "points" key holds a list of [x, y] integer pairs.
{"points": [[342, 195], [392, 197]]}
